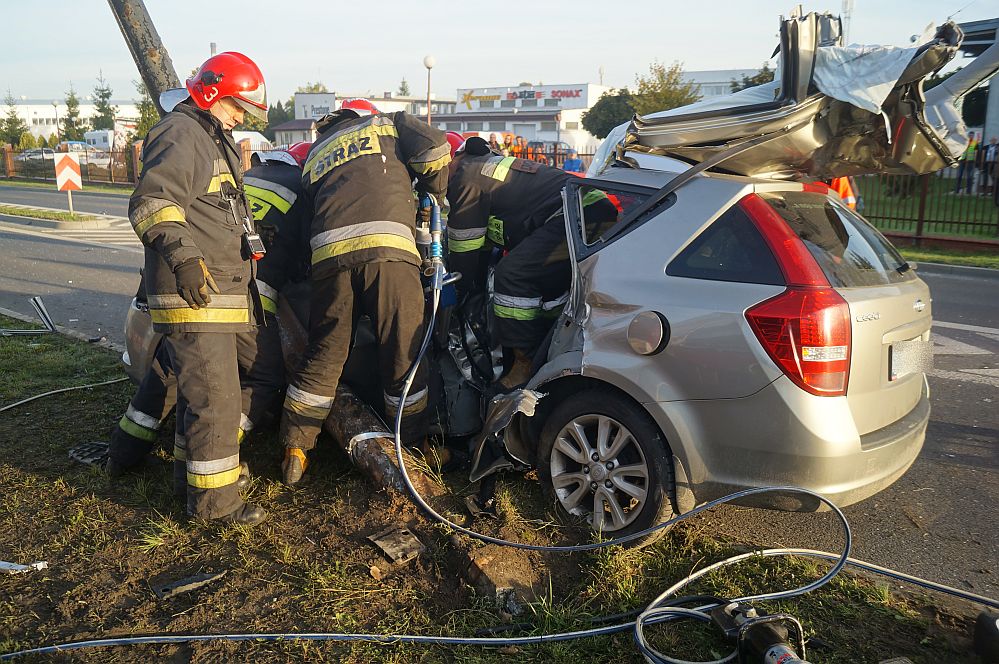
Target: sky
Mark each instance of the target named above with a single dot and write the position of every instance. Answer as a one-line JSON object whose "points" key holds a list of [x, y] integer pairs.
{"points": [[357, 47]]}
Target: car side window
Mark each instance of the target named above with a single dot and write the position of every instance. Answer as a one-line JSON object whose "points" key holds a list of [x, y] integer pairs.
{"points": [[730, 249], [602, 208]]}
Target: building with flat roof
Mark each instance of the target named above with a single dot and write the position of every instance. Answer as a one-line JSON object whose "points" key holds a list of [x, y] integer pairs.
{"points": [[40, 114]]}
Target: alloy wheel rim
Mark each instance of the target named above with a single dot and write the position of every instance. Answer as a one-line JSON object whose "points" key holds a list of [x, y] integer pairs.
{"points": [[599, 472]]}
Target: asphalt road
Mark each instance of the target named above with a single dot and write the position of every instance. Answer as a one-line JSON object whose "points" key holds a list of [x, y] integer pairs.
{"points": [[938, 521], [83, 201]]}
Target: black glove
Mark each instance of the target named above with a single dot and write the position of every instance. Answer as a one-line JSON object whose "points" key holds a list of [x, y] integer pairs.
{"points": [[193, 280]]}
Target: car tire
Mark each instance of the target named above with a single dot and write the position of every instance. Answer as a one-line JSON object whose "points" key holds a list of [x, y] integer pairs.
{"points": [[633, 472]]}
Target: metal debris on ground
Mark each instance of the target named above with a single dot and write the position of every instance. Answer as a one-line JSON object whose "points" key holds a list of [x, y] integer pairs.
{"points": [[90, 454], [14, 568], [399, 544], [39, 307], [168, 590]]}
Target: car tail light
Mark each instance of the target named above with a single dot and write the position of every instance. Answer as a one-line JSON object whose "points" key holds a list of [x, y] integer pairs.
{"points": [[805, 329]]}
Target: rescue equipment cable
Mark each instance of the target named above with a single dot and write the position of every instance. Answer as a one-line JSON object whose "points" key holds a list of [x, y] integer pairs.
{"points": [[61, 390]]}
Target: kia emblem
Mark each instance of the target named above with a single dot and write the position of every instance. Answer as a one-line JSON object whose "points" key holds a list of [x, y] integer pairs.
{"points": [[919, 305]]}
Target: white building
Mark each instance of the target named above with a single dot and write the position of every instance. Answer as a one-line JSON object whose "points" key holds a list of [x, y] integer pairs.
{"points": [[717, 82], [311, 106], [40, 114], [547, 113]]}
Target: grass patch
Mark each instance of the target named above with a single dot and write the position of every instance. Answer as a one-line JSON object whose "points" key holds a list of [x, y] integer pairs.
{"points": [[308, 569], [124, 190], [990, 260], [53, 215], [892, 204]]}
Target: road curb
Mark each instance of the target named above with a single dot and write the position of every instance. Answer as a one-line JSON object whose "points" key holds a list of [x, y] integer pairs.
{"points": [[98, 221], [959, 270], [74, 334]]}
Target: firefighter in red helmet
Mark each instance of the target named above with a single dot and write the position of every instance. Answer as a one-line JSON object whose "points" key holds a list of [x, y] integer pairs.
{"points": [[190, 211]]}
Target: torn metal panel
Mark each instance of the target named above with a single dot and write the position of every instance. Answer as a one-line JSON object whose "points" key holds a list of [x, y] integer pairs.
{"points": [[829, 125], [185, 585], [399, 544], [492, 453], [14, 568]]}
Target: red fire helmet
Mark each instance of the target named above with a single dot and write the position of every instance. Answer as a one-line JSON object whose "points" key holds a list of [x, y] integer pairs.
{"points": [[359, 105], [455, 140], [229, 74], [299, 151]]}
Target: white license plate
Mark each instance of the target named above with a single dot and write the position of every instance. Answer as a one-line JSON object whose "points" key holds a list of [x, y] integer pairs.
{"points": [[909, 357]]}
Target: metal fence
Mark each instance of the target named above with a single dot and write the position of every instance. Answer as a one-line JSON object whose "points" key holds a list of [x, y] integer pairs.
{"points": [[930, 206]]}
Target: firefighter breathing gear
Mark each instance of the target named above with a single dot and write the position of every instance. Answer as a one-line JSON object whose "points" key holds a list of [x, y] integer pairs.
{"points": [[193, 282]]}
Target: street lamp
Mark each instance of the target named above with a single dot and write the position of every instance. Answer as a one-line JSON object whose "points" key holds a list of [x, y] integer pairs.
{"points": [[55, 106], [429, 62]]}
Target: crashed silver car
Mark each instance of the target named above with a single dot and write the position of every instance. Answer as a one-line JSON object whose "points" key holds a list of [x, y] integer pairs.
{"points": [[738, 326]]}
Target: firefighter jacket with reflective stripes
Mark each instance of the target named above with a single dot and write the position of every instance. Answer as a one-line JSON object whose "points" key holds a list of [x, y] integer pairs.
{"points": [[281, 216], [359, 174], [179, 212], [496, 201]]}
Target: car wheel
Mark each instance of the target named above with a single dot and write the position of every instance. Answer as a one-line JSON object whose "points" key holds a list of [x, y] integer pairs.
{"points": [[603, 459]]}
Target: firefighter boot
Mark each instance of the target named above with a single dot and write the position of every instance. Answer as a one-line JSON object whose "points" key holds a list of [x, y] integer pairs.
{"points": [[245, 515], [294, 465], [519, 373], [440, 458]]}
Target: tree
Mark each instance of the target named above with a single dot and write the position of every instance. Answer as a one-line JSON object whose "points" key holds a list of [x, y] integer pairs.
{"points": [[403, 88], [12, 127], [312, 87], [662, 89], [765, 75], [251, 123], [72, 125], [148, 115], [27, 142], [613, 108], [278, 114], [104, 119]]}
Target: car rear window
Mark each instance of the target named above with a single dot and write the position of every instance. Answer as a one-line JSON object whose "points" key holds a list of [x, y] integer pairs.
{"points": [[849, 250], [730, 249]]}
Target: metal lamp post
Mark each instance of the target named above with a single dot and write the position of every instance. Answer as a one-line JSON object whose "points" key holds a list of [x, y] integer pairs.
{"points": [[55, 106], [429, 62]]}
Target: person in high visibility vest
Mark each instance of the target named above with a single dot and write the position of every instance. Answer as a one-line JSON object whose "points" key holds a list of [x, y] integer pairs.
{"points": [[845, 190], [966, 165]]}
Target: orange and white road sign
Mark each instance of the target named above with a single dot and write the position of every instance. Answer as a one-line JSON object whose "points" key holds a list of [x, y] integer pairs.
{"points": [[67, 168]]}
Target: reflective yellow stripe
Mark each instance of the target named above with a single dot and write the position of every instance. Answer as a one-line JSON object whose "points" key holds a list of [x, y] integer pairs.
{"points": [[269, 305], [373, 241], [516, 313], [592, 196], [203, 315], [341, 148], [258, 208], [432, 166], [314, 412], [133, 429], [213, 480], [494, 231], [459, 246], [168, 213], [498, 167], [215, 184], [268, 196]]}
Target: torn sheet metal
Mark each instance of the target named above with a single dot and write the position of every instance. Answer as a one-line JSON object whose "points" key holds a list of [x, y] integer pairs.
{"points": [[399, 544], [168, 590], [43, 314], [491, 453], [14, 568]]}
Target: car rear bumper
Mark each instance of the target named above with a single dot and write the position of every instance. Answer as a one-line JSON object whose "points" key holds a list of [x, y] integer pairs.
{"points": [[775, 438]]}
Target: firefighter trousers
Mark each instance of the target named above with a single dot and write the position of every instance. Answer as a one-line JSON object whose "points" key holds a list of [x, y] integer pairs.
{"points": [[530, 287], [390, 293], [262, 380], [136, 432]]}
